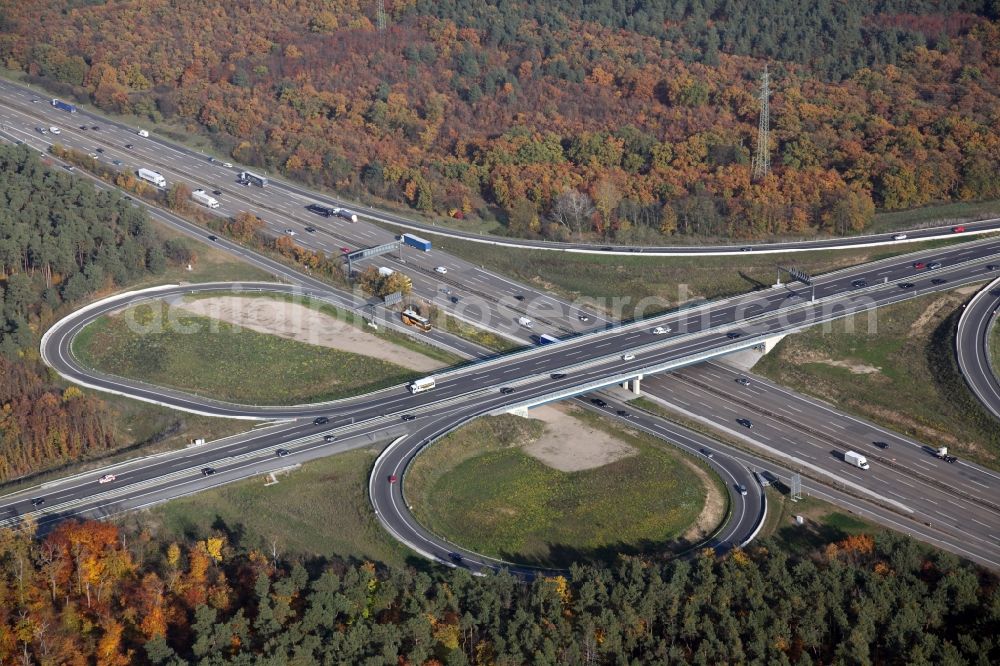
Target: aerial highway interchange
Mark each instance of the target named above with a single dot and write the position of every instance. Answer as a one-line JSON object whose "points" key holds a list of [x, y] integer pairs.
{"points": [[955, 506]]}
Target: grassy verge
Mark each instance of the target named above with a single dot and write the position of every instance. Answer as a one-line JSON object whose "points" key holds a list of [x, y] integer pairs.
{"points": [[480, 336], [387, 334], [823, 524], [655, 284], [317, 510], [929, 216], [227, 362], [477, 488], [902, 374]]}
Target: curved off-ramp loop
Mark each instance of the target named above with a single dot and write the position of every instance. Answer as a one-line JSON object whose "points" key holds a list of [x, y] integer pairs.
{"points": [[56, 352], [388, 500], [972, 343]]}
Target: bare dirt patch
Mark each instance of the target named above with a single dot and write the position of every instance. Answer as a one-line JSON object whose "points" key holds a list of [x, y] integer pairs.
{"points": [[714, 510], [929, 317], [802, 356], [295, 321], [570, 445]]}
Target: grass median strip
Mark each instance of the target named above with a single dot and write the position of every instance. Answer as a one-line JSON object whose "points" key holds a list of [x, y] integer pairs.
{"points": [[318, 510], [219, 360], [896, 367], [479, 487]]}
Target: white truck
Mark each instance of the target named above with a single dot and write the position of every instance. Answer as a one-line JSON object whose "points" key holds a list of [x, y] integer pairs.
{"points": [[384, 271], [942, 454], [143, 133], [420, 385], [152, 177], [524, 321], [856, 459], [205, 199]]}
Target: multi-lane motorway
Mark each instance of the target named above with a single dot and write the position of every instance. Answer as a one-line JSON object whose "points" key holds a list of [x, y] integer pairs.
{"points": [[287, 199], [959, 499], [594, 360], [588, 362]]}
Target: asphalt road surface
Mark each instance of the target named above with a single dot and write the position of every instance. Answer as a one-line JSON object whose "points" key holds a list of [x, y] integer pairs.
{"points": [[26, 110], [959, 499], [973, 346]]}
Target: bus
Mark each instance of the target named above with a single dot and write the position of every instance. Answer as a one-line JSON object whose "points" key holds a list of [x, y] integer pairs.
{"points": [[411, 318], [248, 177], [546, 339], [425, 384]]}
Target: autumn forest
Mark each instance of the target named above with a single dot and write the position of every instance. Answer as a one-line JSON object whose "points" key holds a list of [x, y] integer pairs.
{"points": [[631, 121]]}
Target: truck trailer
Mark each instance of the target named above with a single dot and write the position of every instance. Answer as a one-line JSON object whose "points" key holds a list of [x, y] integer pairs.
{"points": [[856, 459], [250, 178], [152, 177], [416, 241], [205, 199], [59, 104], [420, 385], [347, 215]]}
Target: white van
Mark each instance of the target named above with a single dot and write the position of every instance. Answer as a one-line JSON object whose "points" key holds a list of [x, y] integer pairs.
{"points": [[524, 321], [143, 133]]}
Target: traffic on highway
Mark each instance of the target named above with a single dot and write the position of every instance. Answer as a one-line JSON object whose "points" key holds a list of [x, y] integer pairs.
{"points": [[580, 351]]}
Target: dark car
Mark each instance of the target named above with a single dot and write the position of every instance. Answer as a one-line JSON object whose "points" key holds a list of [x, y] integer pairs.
{"points": [[707, 453], [100, 150], [129, 146], [743, 381], [117, 162], [881, 445], [329, 438], [321, 420], [934, 265], [519, 297], [746, 249], [95, 127], [746, 423], [506, 390], [558, 375], [991, 267], [311, 230], [939, 281], [281, 453], [217, 192], [741, 489], [408, 417], [207, 471], [583, 317], [213, 238], [906, 285], [454, 557], [732, 335], [599, 402], [37, 501], [624, 414], [857, 284], [83, 127], [454, 299]]}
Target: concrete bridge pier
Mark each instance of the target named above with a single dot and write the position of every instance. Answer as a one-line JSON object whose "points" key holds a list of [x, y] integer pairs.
{"points": [[634, 385]]}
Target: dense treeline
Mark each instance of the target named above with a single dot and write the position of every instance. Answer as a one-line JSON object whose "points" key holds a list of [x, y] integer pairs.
{"points": [[632, 121], [60, 240], [90, 593], [833, 39]]}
